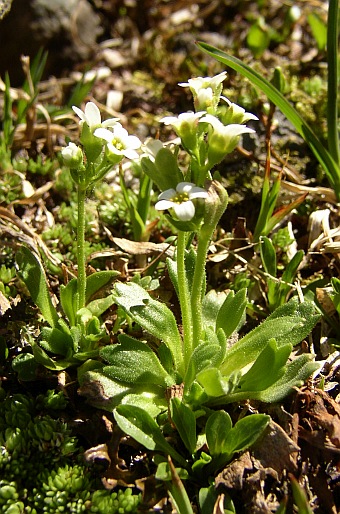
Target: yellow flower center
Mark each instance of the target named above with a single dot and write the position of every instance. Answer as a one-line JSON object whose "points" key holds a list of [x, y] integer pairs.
{"points": [[118, 144], [181, 198]]}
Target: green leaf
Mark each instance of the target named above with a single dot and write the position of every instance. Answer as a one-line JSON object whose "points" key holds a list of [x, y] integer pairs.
{"points": [[261, 376], [232, 312], [178, 495], [26, 366], [211, 305], [98, 281], [214, 383], [33, 274], [291, 268], [68, 300], [138, 424], [297, 372], [42, 358], [268, 256], [217, 431], [164, 171], [134, 362], [152, 402], [153, 316], [290, 322], [56, 341], [245, 432], [99, 306], [209, 353], [185, 422], [138, 225], [207, 500], [300, 497], [324, 157], [163, 472], [258, 38], [319, 30]]}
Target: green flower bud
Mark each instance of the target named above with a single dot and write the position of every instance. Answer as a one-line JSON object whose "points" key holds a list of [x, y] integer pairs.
{"points": [[72, 156], [215, 205], [222, 139]]}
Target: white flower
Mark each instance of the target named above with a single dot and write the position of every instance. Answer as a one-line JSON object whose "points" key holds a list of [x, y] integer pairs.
{"points": [[151, 147], [72, 155], [227, 131], [206, 91], [198, 83], [119, 142], [236, 113], [177, 122], [223, 138], [91, 116], [180, 200]]}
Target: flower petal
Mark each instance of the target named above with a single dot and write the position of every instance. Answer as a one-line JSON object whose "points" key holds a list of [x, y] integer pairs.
{"points": [[130, 153], [104, 133], [163, 205], [198, 192], [92, 114], [167, 195], [134, 142], [184, 187], [110, 122], [79, 112], [184, 211]]}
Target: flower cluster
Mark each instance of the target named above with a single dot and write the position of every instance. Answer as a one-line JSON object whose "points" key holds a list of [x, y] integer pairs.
{"points": [[207, 134], [105, 143]]}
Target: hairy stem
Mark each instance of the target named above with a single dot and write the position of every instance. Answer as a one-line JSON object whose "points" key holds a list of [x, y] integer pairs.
{"points": [[184, 297], [197, 286], [81, 285]]}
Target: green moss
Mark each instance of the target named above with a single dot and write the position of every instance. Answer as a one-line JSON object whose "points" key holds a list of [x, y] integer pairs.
{"points": [[43, 463]]}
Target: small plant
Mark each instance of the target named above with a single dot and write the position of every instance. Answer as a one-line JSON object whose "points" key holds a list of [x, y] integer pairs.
{"points": [[74, 335], [171, 386]]}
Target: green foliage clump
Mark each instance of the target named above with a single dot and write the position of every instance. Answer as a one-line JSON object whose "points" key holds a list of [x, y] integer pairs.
{"points": [[7, 275], [120, 502], [42, 466]]}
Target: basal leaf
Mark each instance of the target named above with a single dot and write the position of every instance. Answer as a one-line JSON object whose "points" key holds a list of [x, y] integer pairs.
{"points": [[153, 316], [33, 274], [56, 341], [260, 376], [98, 281], [211, 305], [99, 306], [133, 362], [232, 312], [245, 432], [68, 300], [290, 322], [268, 256], [297, 372], [138, 424], [217, 431], [185, 422]]}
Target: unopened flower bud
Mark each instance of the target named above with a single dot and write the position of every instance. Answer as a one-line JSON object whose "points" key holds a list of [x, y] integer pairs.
{"points": [[72, 155], [215, 205]]}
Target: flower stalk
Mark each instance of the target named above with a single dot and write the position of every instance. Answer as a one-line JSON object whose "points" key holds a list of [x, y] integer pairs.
{"points": [[81, 285], [184, 297]]}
